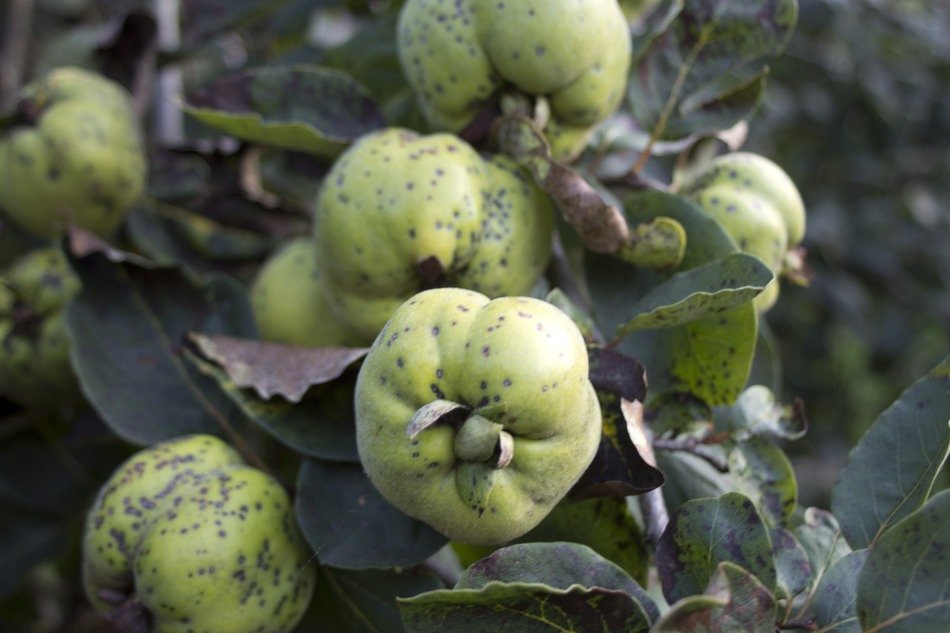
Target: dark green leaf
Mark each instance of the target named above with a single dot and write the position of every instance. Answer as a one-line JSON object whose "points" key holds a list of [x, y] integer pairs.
{"points": [[791, 564], [646, 30], [735, 601], [705, 532], [604, 525], [835, 597], [526, 608], [891, 472], [128, 329], [763, 472], [26, 539], [555, 564], [321, 425], [347, 601], [703, 74], [307, 109], [904, 586], [350, 525], [701, 292]]}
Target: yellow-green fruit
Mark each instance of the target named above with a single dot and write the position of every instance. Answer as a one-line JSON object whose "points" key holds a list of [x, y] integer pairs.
{"points": [[522, 424], [757, 204], [78, 159], [35, 370], [400, 212], [755, 174], [199, 539], [289, 303], [456, 55]]}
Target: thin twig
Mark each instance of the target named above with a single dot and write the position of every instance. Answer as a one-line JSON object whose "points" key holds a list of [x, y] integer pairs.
{"points": [[673, 98]]}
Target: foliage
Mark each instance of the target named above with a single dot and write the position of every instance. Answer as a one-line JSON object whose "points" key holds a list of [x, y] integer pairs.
{"points": [[691, 516]]}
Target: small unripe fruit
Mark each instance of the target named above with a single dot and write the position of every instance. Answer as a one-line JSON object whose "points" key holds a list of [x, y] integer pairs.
{"points": [[400, 213], [35, 369], [521, 419], [78, 159], [198, 539], [289, 301]]}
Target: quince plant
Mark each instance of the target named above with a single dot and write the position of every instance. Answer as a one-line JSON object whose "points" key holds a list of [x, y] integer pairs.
{"points": [[574, 55], [76, 155], [400, 213], [199, 539], [474, 415]]}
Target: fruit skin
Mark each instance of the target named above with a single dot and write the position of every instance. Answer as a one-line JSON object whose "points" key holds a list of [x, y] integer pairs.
{"points": [[397, 200], [757, 204], [289, 302], [81, 160], [35, 370], [520, 367], [576, 54], [203, 541]]}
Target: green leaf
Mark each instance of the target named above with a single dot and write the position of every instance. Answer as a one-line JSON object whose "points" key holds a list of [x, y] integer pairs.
{"points": [[346, 601], [128, 329], [755, 413], [688, 477], [709, 358], [704, 74], [792, 568], [315, 110], [526, 608], [891, 472], [835, 597], [763, 472], [705, 532], [735, 601], [177, 234], [653, 25], [555, 564], [56, 472], [605, 525], [820, 536], [700, 292], [350, 525], [904, 584], [321, 425]]}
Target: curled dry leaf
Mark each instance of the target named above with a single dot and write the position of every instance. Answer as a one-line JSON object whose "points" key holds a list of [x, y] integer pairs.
{"points": [[601, 225], [275, 368], [82, 243]]}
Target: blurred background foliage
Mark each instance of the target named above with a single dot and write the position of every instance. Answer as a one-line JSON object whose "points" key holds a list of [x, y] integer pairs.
{"points": [[857, 111]]}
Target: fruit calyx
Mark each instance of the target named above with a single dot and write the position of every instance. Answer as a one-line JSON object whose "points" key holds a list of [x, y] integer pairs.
{"points": [[477, 440]]}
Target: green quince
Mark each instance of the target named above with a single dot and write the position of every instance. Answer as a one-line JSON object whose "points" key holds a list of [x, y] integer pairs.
{"points": [[457, 55], [199, 540], [289, 301], [476, 416], [757, 204], [399, 213], [76, 157], [35, 370]]}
